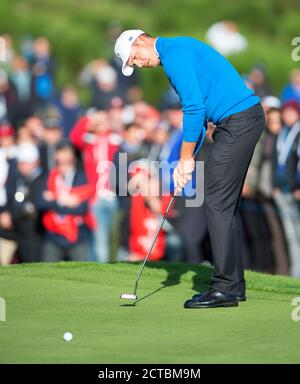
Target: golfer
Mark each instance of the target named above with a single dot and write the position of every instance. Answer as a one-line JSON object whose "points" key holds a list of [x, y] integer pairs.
{"points": [[210, 89]]}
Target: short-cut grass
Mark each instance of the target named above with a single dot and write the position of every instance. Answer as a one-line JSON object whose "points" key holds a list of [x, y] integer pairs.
{"points": [[45, 300]]}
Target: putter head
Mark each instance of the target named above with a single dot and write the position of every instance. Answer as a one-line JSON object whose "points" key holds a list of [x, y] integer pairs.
{"points": [[128, 296]]}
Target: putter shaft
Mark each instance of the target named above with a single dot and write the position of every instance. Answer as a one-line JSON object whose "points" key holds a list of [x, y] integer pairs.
{"points": [[152, 245]]}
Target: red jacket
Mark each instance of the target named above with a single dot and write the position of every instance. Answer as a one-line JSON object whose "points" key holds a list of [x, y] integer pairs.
{"points": [[95, 148], [67, 225], [143, 226]]}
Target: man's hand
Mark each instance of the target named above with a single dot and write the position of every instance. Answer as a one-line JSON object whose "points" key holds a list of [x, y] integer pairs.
{"points": [[6, 220], [246, 192], [48, 196], [275, 192], [183, 173], [296, 194], [68, 200]]}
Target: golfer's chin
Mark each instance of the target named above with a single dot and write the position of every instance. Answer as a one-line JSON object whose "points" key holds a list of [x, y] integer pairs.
{"points": [[150, 65]]}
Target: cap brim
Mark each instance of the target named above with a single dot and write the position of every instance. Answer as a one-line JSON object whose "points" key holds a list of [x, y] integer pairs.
{"points": [[127, 70]]}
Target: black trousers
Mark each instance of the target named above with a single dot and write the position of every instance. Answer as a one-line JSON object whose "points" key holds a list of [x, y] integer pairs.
{"points": [[29, 247], [225, 170]]}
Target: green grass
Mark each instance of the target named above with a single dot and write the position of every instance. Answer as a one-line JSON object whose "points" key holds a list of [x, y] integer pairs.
{"points": [[44, 301]]}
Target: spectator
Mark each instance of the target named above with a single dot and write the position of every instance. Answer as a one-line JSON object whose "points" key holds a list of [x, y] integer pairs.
{"points": [[8, 245], [22, 192], [7, 99], [36, 128], [102, 80], [131, 147], [93, 136], [248, 81], [52, 137], [8, 153], [258, 78], [43, 72], [145, 214], [69, 108], [225, 37], [256, 229], [264, 187], [3, 177], [148, 118], [21, 79], [159, 137], [20, 76], [24, 136], [9, 51], [116, 115], [7, 141], [105, 87], [270, 102], [27, 48], [285, 161], [64, 200], [292, 90]]}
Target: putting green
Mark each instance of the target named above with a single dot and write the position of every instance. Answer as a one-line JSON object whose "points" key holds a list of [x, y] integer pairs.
{"points": [[45, 300]]}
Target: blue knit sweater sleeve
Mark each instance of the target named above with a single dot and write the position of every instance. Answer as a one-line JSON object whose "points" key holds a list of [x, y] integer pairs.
{"points": [[181, 70]]}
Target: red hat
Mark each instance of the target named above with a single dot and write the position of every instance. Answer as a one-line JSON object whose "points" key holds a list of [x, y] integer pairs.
{"points": [[6, 130], [291, 104]]}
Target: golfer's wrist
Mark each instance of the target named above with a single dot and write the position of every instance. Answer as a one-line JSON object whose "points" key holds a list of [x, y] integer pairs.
{"points": [[186, 156], [187, 161], [187, 151]]}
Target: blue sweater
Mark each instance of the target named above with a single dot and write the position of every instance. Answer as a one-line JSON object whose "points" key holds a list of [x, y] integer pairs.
{"points": [[208, 85]]}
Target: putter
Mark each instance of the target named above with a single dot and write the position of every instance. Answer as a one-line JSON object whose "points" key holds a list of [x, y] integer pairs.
{"points": [[133, 296]]}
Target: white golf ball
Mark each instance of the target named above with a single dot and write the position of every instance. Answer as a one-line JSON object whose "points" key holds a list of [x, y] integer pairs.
{"points": [[68, 336]]}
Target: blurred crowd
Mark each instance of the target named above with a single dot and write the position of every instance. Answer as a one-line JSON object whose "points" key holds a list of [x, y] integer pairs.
{"points": [[66, 195]]}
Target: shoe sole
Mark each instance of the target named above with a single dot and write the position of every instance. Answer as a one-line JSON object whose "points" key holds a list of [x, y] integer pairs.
{"points": [[232, 304]]}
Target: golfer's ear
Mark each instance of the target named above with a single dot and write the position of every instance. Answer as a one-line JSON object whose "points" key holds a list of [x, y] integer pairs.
{"points": [[140, 41]]}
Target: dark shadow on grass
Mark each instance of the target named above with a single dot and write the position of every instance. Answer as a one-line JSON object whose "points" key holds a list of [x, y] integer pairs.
{"points": [[200, 280], [175, 271], [128, 305]]}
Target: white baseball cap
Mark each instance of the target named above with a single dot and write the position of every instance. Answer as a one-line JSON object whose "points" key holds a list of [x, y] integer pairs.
{"points": [[28, 153], [123, 47], [106, 75], [271, 102]]}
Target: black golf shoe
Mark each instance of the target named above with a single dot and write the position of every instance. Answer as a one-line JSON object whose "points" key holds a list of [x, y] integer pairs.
{"points": [[211, 298], [239, 298]]}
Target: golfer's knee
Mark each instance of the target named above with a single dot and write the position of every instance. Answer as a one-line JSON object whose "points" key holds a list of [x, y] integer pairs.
{"points": [[219, 207]]}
